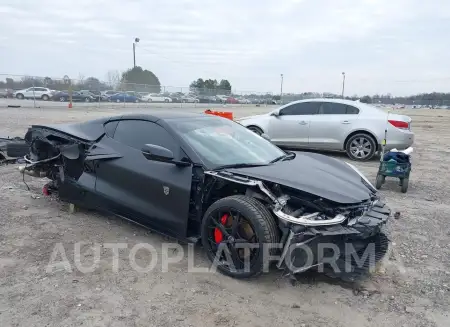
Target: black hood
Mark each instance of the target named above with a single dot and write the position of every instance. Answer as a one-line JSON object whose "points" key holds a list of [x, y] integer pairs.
{"points": [[313, 173]]}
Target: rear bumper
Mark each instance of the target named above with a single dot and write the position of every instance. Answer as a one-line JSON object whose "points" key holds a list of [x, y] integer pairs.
{"points": [[348, 250], [399, 140]]}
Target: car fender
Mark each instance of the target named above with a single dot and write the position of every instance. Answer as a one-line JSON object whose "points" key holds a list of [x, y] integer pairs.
{"points": [[362, 130], [261, 121]]}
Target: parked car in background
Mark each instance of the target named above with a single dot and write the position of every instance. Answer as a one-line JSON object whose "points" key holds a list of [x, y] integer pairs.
{"points": [[124, 97], [96, 95], [134, 93], [333, 124], [64, 96], [208, 99], [6, 93], [244, 101], [189, 99], [156, 98], [232, 100], [42, 93], [222, 98], [108, 93]]}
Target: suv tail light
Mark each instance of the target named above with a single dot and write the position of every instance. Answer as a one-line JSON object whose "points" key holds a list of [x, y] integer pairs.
{"points": [[399, 124]]}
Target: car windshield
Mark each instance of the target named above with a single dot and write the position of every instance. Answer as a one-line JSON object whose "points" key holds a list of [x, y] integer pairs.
{"points": [[222, 142]]}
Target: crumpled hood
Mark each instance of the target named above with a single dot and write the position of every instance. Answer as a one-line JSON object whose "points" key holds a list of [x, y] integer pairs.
{"points": [[313, 173]]}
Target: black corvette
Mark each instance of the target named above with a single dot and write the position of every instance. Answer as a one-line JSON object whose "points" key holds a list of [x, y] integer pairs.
{"points": [[202, 178]]}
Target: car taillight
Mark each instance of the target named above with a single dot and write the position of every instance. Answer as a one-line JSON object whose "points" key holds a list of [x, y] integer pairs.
{"points": [[399, 124]]}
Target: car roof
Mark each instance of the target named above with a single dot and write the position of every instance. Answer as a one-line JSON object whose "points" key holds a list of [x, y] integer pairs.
{"points": [[335, 100], [163, 115]]}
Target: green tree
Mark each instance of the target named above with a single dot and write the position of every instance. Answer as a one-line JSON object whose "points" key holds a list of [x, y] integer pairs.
{"points": [[366, 99], [138, 79], [225, 85]]}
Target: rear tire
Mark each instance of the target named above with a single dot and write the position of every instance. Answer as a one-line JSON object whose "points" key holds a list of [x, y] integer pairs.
{"points": [[20, 96], [361, 147], [262, 223], [45, 97]]}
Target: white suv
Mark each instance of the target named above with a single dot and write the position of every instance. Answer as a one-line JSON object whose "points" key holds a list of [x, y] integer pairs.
{"points": [[34, 92]]}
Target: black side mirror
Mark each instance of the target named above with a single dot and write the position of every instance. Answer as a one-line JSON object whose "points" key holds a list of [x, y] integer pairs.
{"points": [[156, 152], [160, 153]]}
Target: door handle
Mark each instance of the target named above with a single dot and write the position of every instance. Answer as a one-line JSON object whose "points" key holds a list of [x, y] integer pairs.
{"points": [[345, 122], [303, 122]]}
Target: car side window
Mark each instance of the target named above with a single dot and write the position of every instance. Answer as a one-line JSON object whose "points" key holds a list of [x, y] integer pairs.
{"points": [[137, 133], [110, 128], [333, 108], [352, 110], [302, 108]]}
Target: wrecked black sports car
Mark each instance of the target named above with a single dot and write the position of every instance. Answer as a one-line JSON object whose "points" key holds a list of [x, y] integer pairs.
{"points": [[202, 178]]}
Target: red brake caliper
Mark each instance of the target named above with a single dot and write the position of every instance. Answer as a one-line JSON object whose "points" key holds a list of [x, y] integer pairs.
{"points": [[218, 235]]}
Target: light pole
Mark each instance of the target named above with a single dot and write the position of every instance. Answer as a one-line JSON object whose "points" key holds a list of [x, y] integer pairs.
{"points": [[281, 89], [343, 84], [136, 40]]}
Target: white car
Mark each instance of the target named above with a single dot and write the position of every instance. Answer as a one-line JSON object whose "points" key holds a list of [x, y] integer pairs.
{"points": [[156, 98], [333, 124], [34, 93], [244, 101], [189, 99]]}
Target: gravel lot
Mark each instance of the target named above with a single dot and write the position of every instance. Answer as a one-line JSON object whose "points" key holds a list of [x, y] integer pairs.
{"points": [[412, 289]]}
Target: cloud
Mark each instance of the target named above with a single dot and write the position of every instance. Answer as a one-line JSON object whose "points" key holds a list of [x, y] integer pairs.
{"points": [[378, 43]]}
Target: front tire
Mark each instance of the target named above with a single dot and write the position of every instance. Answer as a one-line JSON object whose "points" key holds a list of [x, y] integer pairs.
{"points": [[20, 96], [45, 97], [247, 222], [360, 147]]}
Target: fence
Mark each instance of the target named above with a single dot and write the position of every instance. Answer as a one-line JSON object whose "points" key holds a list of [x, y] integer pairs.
{"points": [[118, 92]]}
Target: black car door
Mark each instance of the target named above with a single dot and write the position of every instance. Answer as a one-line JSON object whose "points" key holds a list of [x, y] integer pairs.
{"points": [[153, 193]]}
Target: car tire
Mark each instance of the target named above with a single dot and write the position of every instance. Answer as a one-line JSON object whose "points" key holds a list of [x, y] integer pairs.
{"points": [[149, 100], [118, 100], [254, 215], [45, 97], [20, 96], [256, 130], [361, 147], [62, 99], [166, 100]]}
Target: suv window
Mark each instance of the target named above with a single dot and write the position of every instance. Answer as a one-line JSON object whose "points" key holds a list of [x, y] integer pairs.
{"points": [[137, 133], [333, 108], [302, 108]]}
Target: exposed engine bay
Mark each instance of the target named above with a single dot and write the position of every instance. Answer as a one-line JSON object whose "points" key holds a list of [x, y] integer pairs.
{"points": [[310, 221]]}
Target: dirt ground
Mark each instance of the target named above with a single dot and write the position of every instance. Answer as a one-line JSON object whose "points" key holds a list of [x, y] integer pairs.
{"points": [[412, 289]]}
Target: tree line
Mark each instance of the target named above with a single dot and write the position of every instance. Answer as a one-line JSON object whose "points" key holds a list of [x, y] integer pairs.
{"points": [[143, 80]]}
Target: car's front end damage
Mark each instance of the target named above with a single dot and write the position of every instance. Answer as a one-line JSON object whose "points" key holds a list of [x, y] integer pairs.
{"points": [[343, 240]]}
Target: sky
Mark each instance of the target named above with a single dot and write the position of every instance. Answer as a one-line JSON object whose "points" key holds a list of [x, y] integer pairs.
{"points": [[383, 46]]}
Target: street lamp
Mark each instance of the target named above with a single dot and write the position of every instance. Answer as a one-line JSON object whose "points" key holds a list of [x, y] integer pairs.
{"points": [[281, 89], [343, 84], [136, 40]]}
